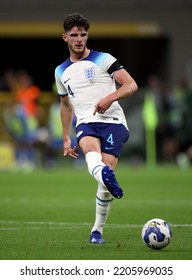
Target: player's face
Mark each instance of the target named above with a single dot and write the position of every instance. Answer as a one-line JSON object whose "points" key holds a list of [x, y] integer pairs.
{"points": [[76, 39]]}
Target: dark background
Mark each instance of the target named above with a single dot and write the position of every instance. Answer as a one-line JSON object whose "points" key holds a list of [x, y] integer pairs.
{"points": [[140, 56]]}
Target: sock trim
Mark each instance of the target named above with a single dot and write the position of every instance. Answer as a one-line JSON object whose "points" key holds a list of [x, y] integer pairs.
{"points": [[103, 200]]}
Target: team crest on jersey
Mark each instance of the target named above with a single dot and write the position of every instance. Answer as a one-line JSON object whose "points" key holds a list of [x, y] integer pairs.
{"points": [[90, 73]]}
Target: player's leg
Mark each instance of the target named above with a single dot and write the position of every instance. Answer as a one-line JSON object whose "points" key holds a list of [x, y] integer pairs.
{"points": [[103, 173], [97, 167], [101, 166], [103, 205], [91, 147]]}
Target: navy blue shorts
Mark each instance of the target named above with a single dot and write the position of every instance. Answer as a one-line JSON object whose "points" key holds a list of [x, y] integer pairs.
{"points": [[112, 136]]}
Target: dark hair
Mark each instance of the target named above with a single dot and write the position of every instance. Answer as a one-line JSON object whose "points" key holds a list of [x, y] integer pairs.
{"points": [[75, 20]]}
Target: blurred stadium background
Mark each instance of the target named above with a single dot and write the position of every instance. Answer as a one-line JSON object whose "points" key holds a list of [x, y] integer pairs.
{"points": [[152, 39]]}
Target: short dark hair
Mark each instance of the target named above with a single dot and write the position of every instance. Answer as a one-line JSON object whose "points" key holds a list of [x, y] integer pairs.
{"points": [[75, 19]]}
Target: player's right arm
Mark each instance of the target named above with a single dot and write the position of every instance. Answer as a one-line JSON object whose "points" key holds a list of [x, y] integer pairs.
{"points": [[66, 112]]}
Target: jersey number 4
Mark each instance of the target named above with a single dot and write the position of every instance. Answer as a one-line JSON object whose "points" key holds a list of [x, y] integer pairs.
{"points": [[70, 92]]}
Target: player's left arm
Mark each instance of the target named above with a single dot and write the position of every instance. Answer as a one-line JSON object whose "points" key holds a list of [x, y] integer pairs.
{"points": [[127, 87]]}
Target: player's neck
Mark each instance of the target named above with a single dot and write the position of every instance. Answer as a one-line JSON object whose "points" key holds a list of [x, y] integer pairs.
{"points": [[74, 56]]}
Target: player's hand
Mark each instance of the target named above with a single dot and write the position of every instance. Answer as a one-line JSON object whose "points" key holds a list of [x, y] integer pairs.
{"points": [[103, 105], [71, 152]]}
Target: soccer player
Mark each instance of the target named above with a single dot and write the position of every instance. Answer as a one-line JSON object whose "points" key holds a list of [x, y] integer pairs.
{"points": [[86, 83]]}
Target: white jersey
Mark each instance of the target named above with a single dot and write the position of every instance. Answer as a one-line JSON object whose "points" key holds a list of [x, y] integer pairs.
{"points": [[86, 82]]}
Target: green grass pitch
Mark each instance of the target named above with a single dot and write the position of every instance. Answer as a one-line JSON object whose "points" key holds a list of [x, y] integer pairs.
{"points": [[48, 214]]}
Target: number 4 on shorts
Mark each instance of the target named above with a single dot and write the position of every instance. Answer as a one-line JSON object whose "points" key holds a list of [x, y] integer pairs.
{"points": [[110, 139]]}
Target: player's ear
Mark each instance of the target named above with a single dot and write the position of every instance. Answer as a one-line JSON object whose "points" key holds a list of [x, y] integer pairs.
{"points": [[64, 36]]}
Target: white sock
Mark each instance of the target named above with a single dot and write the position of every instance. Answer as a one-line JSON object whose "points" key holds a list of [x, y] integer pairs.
{"points": [[95, 165], [103, 206]]}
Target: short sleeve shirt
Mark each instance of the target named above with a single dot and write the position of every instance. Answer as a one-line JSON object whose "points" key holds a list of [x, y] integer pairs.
{"points": [[86, 82]]}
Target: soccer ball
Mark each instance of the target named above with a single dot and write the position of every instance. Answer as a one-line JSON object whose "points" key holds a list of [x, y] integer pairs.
{"points": [[156, 233]]}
